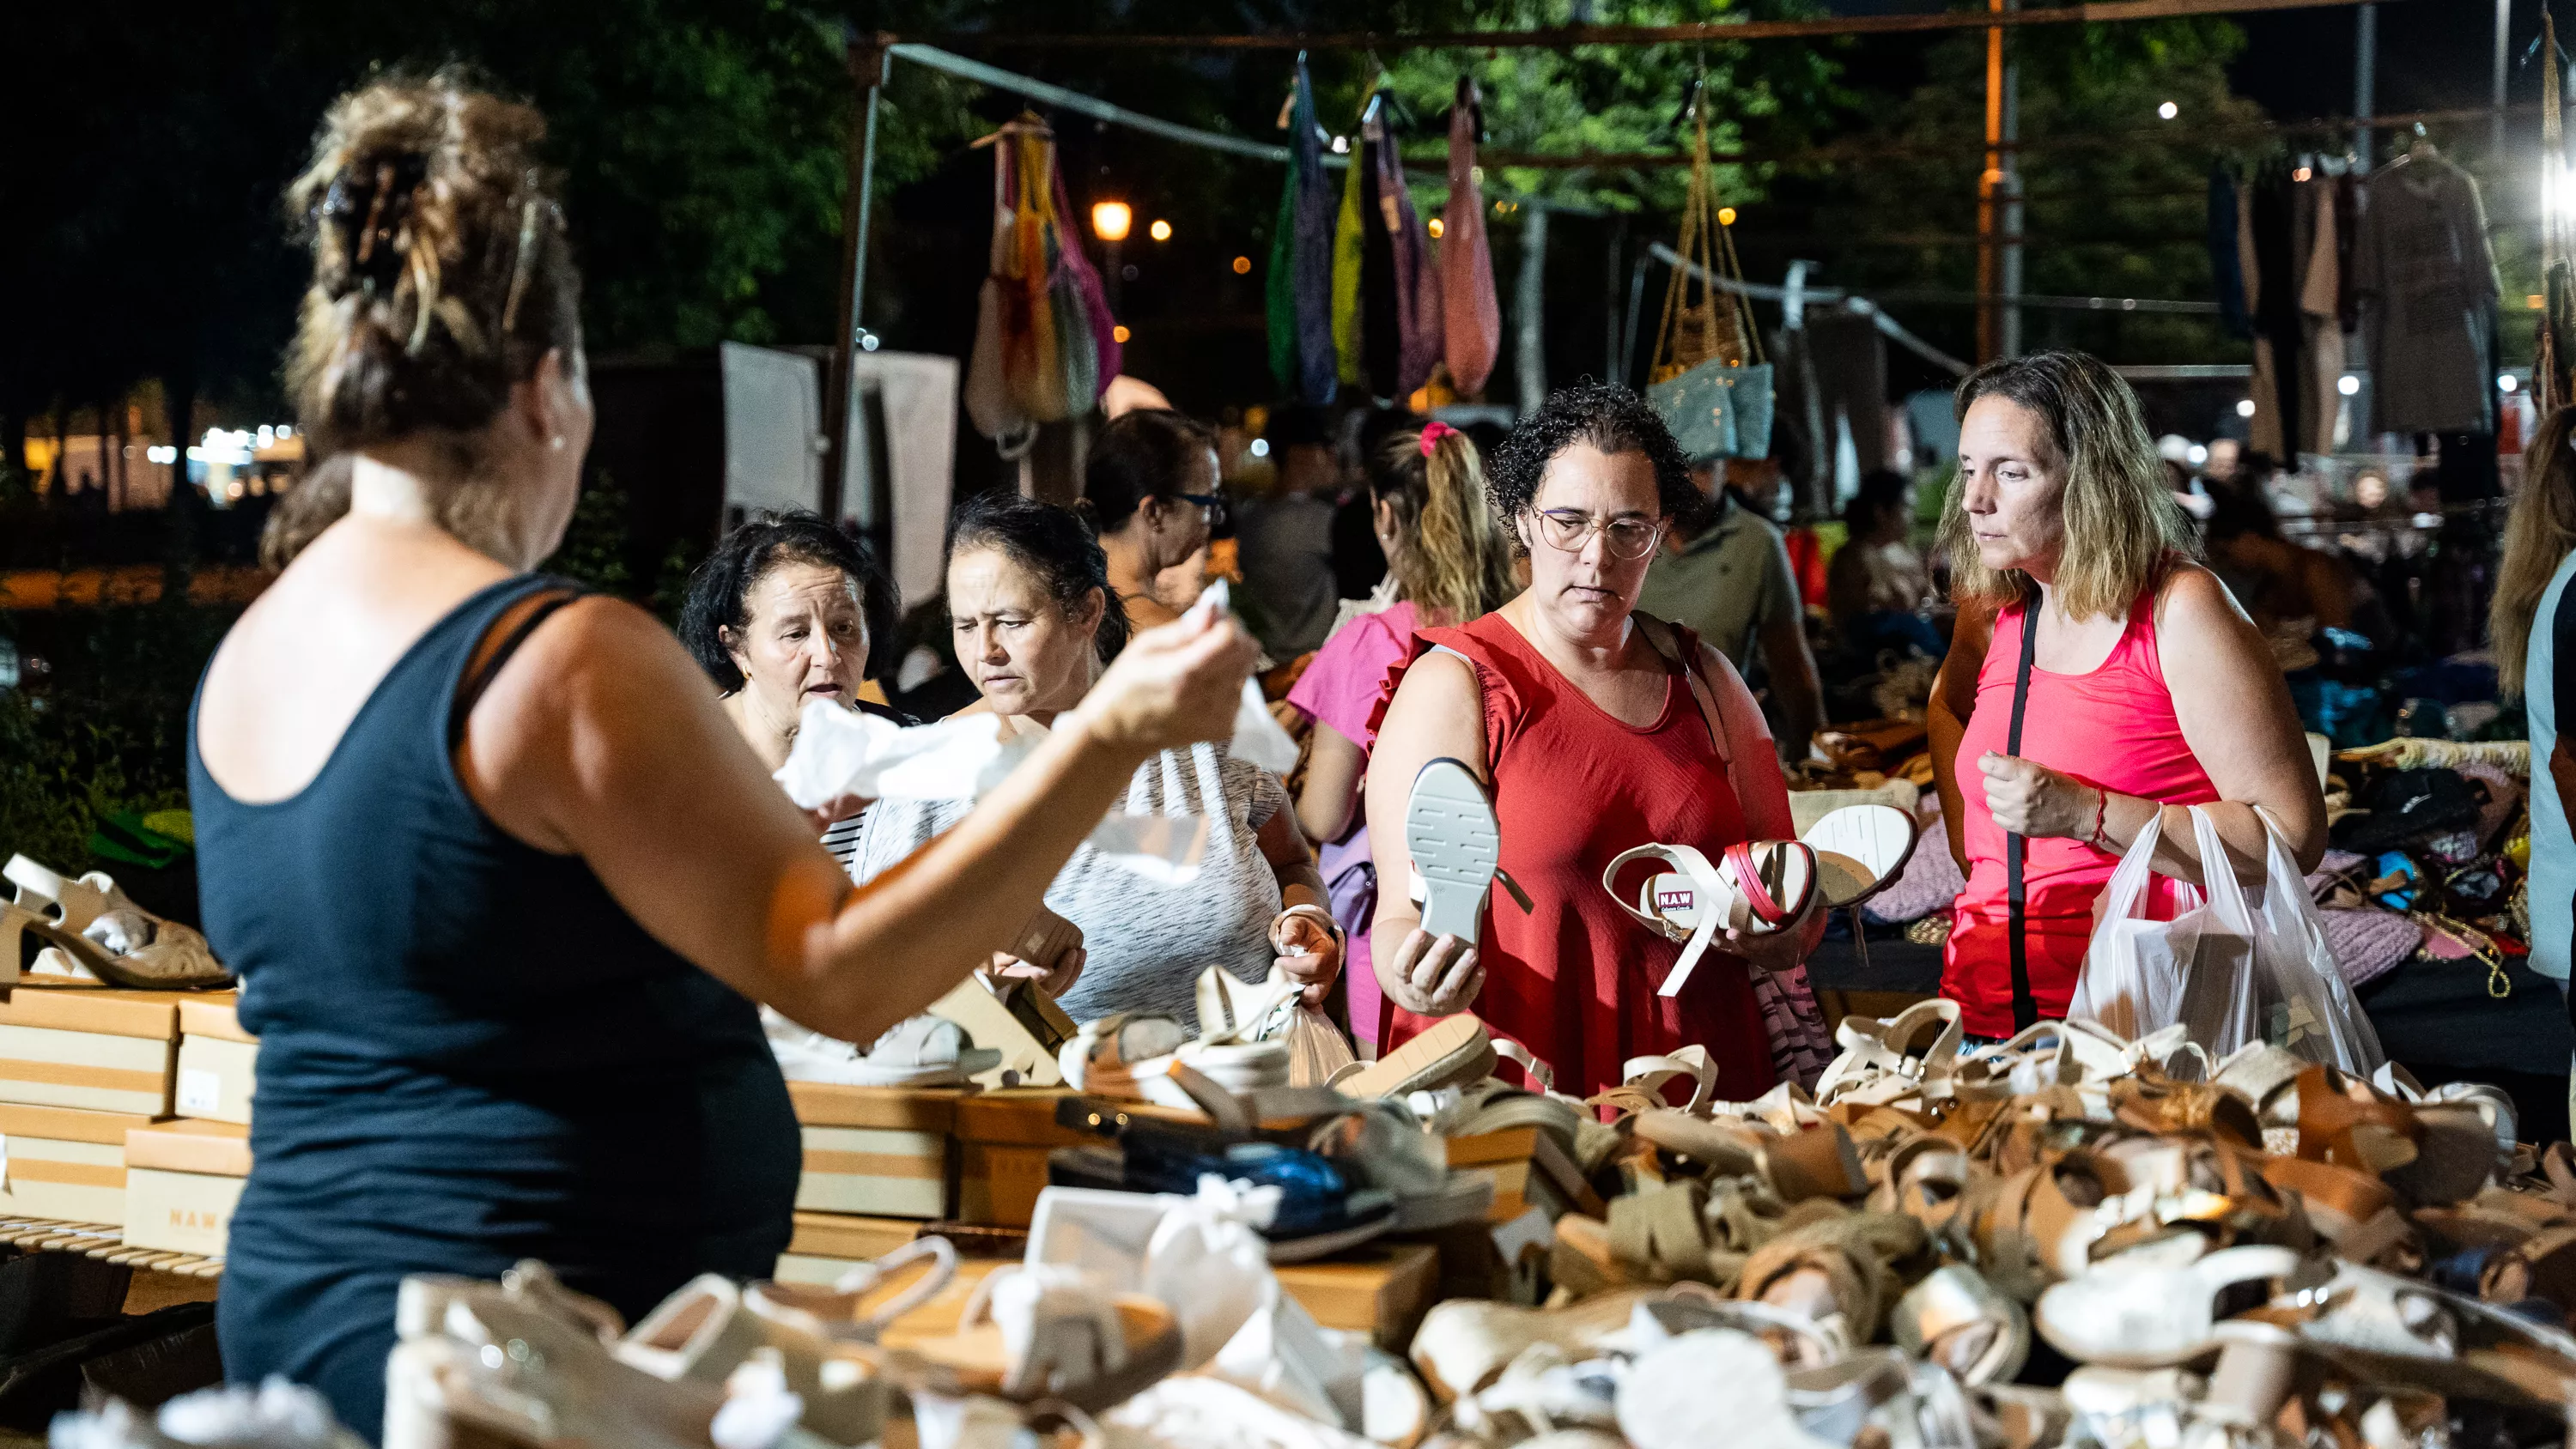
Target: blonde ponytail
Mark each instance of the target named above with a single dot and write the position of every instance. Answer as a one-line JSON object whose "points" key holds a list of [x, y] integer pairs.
{"points": [[1452, 562]]}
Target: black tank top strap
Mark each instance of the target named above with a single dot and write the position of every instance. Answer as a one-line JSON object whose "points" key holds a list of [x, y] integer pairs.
{"points": [[492, 650]]}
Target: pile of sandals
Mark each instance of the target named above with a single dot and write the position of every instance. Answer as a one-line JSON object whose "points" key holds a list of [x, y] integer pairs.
{"points": [[2066, 1238]]}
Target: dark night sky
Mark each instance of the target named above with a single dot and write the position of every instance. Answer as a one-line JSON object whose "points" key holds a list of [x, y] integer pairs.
{"points": [[2433, 55]]}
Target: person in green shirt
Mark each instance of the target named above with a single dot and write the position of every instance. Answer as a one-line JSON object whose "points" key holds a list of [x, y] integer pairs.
{"points": [[1730, 583]]}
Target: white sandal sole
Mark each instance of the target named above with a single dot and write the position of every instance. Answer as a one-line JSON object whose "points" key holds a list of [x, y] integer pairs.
{"points": [[1861, 850], [1456, 845]]}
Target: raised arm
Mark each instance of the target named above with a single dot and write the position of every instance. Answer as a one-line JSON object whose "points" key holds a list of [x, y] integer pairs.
{"points": [[599, 739], [1437, 711]]}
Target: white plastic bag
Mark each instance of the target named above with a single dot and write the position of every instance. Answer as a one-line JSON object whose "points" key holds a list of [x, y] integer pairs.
{"points": [[2226, 972]]}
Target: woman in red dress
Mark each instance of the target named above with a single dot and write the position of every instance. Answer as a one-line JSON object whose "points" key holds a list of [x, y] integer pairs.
{"points": [[1591, 742]]}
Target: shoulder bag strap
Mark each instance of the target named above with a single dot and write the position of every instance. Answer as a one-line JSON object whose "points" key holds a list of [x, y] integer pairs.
{"points": [[2025, 1006], [1666, 643]]}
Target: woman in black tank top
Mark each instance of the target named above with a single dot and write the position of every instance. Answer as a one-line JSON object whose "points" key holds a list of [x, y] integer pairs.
{"points": [[501, 882]]}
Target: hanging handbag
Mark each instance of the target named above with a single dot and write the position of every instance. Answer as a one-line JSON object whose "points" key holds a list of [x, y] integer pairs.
{"points": [[1710, 382]]}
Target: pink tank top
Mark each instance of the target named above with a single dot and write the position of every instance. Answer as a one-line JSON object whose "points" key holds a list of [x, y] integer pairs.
{"points": [[2113, 728]]}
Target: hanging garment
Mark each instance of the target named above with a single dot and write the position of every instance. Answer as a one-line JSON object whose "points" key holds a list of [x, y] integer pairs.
{"points": [[2263, 430], [917, 395], [1300, 291], [2324, 331], [2276, 314], [1849, 355], [2427, 283], [2226, 271], [1413, 280], [1471, 314], [1350, 242]]}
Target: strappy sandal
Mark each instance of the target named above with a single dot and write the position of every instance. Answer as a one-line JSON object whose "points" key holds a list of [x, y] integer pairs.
{"points": [[2153, 1102], [2041, 1226], [1655, 1235], [1645, 1078], [1839, 1262], [2153, 1314], [1860, 851], [92, 929], [1450, 1051], [2343, 1120], [1913, 1055], [1045, 1332], [1955, 1318], [1755, 887], [2349, 1208]]}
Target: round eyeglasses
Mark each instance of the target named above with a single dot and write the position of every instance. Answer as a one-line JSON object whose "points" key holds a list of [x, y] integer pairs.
{"points": [[1568, 530]]}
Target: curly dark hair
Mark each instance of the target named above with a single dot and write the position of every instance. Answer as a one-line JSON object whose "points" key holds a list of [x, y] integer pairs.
{"points": [[1051, 542], [720, 589], [1607, 416]]}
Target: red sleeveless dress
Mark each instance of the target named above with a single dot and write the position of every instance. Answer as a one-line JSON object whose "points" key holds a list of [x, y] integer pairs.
{"points": [[1575, 979]]}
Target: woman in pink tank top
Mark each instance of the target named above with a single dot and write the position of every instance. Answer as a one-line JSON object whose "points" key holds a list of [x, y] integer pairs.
{"points": [[2148, 690]]}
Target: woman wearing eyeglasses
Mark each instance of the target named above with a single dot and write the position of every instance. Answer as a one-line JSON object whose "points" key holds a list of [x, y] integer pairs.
{"points": [[1592, 739], [1149, 491]]}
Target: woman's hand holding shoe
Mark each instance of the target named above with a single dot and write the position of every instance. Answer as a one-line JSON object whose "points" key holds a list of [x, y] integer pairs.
{"points": [[1309, 950], [1433, 976], [1049, 952], [1768, 951]]}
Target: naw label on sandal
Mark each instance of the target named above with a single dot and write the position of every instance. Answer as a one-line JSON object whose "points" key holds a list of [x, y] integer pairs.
{"points": [[843, 752]]}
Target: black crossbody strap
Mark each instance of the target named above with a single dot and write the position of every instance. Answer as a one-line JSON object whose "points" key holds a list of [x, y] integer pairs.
{"points": [[2025, 1006]]}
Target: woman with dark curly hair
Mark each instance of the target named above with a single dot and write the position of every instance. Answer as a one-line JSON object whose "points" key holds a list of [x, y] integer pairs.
{"points": [[788, 610], [1594, 735]]}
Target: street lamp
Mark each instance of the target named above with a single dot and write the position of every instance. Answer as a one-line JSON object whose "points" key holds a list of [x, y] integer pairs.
{"points": [[1109, 222]]}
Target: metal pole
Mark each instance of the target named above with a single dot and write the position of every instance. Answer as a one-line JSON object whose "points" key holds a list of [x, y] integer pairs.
{"points": [[2365, 69], [1530, 301], [2503, 27], [867, 62], [2010, 336], [1989, 187]]}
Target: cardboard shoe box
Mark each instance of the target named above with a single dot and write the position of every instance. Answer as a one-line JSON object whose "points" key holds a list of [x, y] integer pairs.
{"points": [[1380, 1289], [881, 1151], [217, 1060], [98, 1049], [57, 1162], [182, 1181], [1003, 1139]]}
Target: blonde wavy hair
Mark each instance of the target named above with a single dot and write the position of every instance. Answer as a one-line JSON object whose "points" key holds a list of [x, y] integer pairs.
{"points": [[1452, 561], [2537, 538], [2123, 526]]}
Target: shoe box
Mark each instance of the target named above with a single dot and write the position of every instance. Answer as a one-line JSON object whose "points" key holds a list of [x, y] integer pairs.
{"points": [[876, 1151], [93, 1048], [1003, 1139], [216, 1060], [1382, 1290], [64, 1163], [182, 1181]]}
